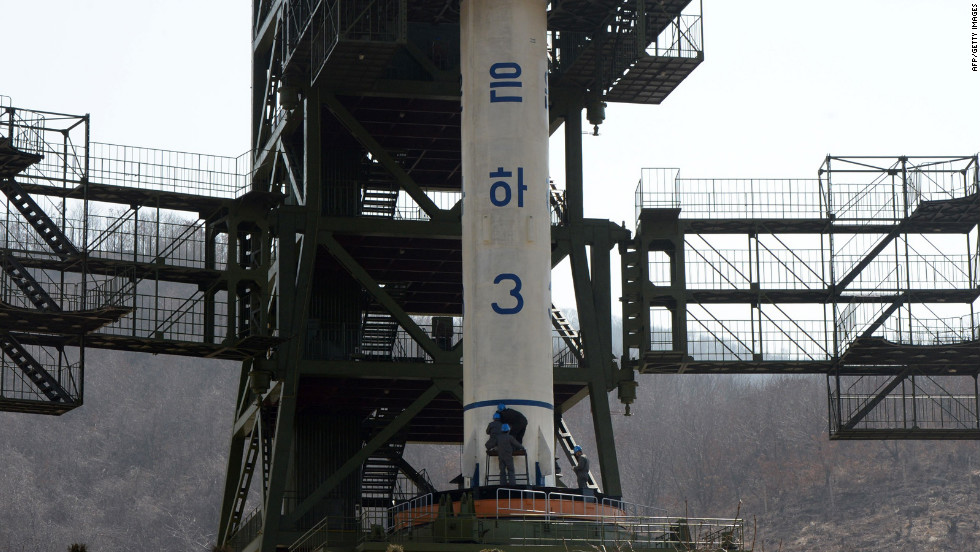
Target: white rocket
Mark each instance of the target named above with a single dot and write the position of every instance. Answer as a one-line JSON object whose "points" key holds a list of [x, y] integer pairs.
{"points": [[506, 231]]}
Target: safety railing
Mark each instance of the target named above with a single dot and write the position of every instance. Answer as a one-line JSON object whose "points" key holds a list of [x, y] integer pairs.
{"points": [[869, 191], [568, 505], [522, 502], [366, 21], [68, 295], [122, 238], [169, 171], [20, 236], [738, 269], [129, 237], [773, 338], [562, 355], [917, 402], [546, 519], [557, 205], [248, 529], [15, 385], [915, 330], [408, 514], [881, 190], [297, 16], [730, 198], [338, 342], [60, 139], [682, 38], [407, 209], [180, 318], [908, 271]]}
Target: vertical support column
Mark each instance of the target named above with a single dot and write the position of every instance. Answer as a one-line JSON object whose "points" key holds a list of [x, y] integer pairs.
{"points": [[296, 261], [593, 302], [209, 264], [506, 228], [678, 288]]}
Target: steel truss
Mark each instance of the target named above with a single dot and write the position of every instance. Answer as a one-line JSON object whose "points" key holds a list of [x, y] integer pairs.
{"points": [[867, 274]]}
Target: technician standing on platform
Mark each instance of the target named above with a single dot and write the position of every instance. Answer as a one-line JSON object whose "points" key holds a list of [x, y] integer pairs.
{"points": [[506, 445], [581, 470], [494, 429]]}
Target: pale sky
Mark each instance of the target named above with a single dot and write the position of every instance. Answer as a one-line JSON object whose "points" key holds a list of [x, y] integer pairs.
{"points": [[783, 84]]}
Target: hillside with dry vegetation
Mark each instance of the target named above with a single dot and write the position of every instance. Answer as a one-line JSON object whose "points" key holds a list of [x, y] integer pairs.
{"points": [[141, 464]]}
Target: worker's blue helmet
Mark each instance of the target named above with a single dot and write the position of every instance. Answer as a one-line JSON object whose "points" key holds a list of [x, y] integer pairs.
{"points": [[496, 415], [577, 449], [505, 427], [501, 407]]}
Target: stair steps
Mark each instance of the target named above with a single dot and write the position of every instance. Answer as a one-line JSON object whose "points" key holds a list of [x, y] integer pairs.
{"points": [[36, 217], [567, 443], [27, 284], [42, 379], [379, 196]]}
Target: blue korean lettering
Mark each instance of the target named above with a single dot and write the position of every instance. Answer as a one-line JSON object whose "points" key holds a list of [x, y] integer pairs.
{"points": [[500, 190], [505, 76]]}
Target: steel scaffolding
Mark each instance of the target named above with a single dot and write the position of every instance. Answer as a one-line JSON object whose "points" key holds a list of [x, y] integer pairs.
{"points": [[867, 273]]}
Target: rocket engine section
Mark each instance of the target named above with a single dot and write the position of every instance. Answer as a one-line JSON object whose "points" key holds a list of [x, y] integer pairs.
{"points": [[506, 231]]}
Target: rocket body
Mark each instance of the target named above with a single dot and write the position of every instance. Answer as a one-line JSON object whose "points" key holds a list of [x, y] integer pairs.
{"points": [[506, 231]]}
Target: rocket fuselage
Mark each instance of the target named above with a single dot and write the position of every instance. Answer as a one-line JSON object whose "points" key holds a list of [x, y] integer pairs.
{"points": [[507, 345]]}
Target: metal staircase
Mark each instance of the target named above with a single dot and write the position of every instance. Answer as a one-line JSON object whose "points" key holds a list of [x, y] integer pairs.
{"points": [[379, 195], [27, 284], [378, 332], [379, 329], [567, 333], [45, 382], [379, 473], [46, 228]]}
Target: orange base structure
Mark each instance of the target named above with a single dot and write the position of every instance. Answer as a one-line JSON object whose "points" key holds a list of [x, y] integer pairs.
{"points": [[510, 504]]}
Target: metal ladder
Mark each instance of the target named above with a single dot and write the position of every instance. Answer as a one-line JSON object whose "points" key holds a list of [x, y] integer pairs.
{"points": [[568, 445]]}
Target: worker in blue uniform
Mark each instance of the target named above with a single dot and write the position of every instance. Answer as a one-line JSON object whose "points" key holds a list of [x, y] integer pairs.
{"points": [[494, 430], [506, 445], [513, 418], [581, 469]]}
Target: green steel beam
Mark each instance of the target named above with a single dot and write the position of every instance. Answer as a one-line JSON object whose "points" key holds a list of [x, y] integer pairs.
{"points": [[593, 323], [377, 226], [355, 461], [233, 475], [296, 264], [243, 425], [378, 369], [449, 77], [402, 89], [383, 298], [381, 154]]}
